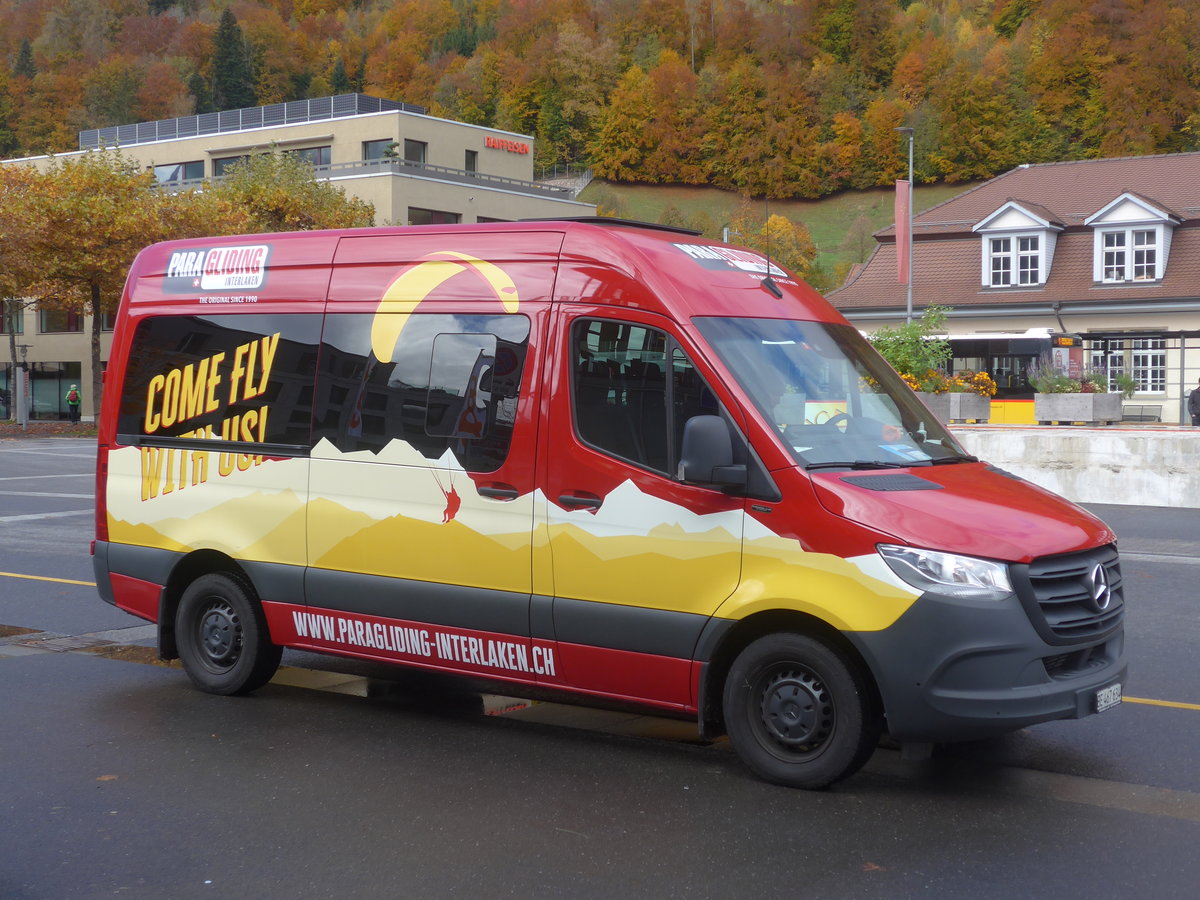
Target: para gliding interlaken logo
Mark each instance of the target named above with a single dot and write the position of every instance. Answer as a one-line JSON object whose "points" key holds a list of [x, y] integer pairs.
{"points": [[413, 286]]}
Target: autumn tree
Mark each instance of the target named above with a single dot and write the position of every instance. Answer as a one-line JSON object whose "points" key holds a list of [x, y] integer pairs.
{"points": [[622, 140], [786, 243], [69, 234], [18, 186], [82, 222], [277, 192]]}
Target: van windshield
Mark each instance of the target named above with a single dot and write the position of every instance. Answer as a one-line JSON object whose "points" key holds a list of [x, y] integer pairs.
{"points": [[835, 401]]}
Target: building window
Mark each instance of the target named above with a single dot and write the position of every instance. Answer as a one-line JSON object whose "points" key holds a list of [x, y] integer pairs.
{"points": [[6, 386], [1149, 358], [381, 149], [414, 151], [49, 383], [176, 172], [59, 321], [1028, 260], [1021, 255], [314, 156], [1145, 255], [1001, 254], [1122, 265], [16, 315], [471, 164], [1144, 358], [418, 216], [223, 165]]}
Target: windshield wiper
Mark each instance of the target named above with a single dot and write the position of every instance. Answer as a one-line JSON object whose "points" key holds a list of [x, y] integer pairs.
{"points": [[864, 464], [947, 460]]}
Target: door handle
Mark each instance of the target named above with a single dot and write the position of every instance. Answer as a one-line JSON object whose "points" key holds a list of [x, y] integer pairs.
{"points": [[588, 502], [500, 492]]}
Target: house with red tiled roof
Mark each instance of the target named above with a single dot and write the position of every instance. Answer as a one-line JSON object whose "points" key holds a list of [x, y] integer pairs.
{"points": [[1107, 249]]}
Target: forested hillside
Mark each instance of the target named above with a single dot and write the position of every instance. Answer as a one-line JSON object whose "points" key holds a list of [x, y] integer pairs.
{"points": [[788, 99]]}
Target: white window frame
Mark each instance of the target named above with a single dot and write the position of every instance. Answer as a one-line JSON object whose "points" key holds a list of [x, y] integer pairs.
{"points": [[1023, 266], [1126, 262], [1148, 358], [1144, 357]]}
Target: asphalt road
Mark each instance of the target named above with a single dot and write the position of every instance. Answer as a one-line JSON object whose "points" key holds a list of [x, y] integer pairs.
{"points": [[118, 779]]}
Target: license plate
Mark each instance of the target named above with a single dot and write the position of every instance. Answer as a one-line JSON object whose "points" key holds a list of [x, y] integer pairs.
{"points": [[1107, 698]]}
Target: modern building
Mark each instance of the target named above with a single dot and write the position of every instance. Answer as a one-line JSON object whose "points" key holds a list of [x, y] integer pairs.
{"points": [[415, 168], [1108, 249]]}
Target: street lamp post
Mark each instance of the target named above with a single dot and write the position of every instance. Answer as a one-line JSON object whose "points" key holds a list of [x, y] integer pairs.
{"points": [[908, 309], [23, 389]]}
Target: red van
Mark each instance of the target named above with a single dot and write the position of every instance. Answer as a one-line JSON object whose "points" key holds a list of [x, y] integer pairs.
{"points": [[594, 460]]}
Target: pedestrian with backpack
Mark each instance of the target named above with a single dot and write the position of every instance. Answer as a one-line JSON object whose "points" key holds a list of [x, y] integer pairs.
{"points": [[72, 399]]}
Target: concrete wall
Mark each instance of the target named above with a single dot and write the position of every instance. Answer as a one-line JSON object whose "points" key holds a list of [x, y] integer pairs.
{"points": [[1139, 466]]}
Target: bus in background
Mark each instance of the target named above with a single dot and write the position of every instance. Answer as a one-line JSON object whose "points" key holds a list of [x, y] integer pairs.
{"points": [[1007, 357]]}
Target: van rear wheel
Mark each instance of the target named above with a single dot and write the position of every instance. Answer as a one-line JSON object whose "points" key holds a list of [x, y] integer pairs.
{"points": [[222, 636], [799, 713]]}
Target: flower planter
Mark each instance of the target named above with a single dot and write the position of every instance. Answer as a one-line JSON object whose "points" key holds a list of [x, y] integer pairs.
{"points": [[950, 407], [1065, 409]]}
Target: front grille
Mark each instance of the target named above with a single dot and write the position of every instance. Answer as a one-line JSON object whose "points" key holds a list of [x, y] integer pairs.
{"points": [[1062, 588]]}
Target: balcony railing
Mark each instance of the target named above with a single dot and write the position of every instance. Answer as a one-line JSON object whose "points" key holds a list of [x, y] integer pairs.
{"points": [[295, 112], [370, 167]]}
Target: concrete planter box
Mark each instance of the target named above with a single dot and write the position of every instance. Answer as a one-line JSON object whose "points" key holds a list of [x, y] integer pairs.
{"points": [[1068, 408], [957, 407]]}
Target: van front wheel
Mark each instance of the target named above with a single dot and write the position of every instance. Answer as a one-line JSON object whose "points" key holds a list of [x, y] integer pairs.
{"points": [[222, 636], [798, 713]]}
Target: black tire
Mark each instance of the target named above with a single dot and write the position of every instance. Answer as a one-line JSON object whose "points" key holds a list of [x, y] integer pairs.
{"points": [[799, 713], [222, 636]]}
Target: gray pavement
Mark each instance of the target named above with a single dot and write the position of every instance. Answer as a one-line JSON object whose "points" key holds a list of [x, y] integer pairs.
{"points": [[119, 779]]}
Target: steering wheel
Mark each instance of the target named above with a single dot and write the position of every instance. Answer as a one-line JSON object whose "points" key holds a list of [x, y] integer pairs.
{"points": [[841, 421]]}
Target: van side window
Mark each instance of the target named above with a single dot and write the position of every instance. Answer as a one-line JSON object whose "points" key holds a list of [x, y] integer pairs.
{"points": [[245, 378], [452, 383], [633, 390]]}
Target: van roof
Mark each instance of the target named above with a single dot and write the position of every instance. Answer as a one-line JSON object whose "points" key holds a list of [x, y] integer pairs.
{"points": [[673, 270]]}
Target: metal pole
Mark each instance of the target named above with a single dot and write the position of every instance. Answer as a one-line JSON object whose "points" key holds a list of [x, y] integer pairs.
{"points": [[908, 309], [909, 243]]}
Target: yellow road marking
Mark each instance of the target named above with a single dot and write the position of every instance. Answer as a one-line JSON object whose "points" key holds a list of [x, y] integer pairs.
{"points": [[1171, 703], [44, 578]]}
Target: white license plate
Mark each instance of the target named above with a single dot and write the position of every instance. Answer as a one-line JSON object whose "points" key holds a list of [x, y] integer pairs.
{"points": [[1107, 698]]}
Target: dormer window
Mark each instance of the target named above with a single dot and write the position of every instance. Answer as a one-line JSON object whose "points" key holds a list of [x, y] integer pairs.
{"points": [[1015, 260], [1018, 246], [1130, 254], [1132, 240]]}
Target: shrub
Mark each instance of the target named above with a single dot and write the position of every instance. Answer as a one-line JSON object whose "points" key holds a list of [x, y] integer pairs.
{"points": [[915, 348]]}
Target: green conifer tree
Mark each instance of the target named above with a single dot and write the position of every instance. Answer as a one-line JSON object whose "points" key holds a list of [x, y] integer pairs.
{"points": [[339, 81], [232, 72], [25, 66]]}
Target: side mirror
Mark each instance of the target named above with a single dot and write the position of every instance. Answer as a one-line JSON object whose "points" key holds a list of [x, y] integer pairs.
{"points": [[707, 454]]}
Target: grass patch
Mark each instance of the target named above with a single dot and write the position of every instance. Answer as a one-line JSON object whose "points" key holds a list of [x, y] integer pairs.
{"points": [[13, 631], [133, 653]]}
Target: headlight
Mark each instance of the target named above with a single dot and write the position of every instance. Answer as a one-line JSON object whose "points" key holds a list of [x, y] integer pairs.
{"points": [[964, 577]]}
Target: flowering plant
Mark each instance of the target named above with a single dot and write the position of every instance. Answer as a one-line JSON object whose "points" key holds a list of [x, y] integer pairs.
{"points": [[968, 382]]}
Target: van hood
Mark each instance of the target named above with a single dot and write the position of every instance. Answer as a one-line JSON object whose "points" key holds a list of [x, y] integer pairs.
{"points": [[968, 508]]}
